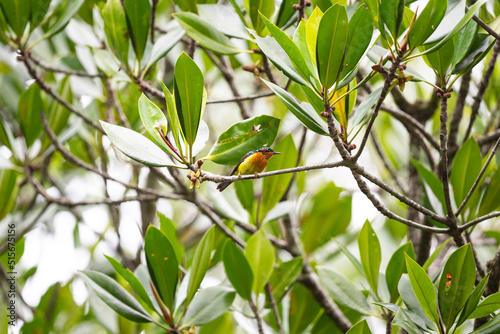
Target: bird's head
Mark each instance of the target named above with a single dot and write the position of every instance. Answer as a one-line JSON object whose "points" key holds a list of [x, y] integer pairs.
{"points": [[267, 152]]}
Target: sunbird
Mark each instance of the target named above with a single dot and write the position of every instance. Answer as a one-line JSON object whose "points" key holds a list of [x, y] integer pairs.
{"points": [[252, 163]]}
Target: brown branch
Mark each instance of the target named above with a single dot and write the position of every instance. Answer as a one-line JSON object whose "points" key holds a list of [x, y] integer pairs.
{"points": [[458, 112], [486, 27], [479, 220], [51, 68], [152, 21], [274, 307], [257, 316], [241, 98], [45, 87]]}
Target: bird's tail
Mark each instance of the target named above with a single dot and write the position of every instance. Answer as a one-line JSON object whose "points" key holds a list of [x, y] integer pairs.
{"points": [[223, 185]]}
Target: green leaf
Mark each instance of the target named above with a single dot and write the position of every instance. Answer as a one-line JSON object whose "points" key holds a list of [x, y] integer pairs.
{"points": [[462, 42], [391, 13], [115, 27], [308, 117], [473, 300], [201, 261], [491, 327], [330, 48], [370, 254], [238, 270], [30, 104], [330, 216], [39, 9], [285, 12], [278, 57], [491, 199], [284, 276], [300, 39], [403, 321], [274, 187], [303, 309], [456, 284], [168, 228], [423, 288], [173, 118], [188, 92], [244, 191], [358, 39], [350, 256], [136, 146], [132, 280], [465, 169], [58, 114], [343, 291], [358, 115], [360, 328], [441, 59], [260, 255], [154, 120], [138, 14], [254, 7], [312, 25], [113, 294], [17, 13], [479, 49], [325, 325], [432, 186], [291, 49], [163, 45], [396, 268], [208, 304], [374, 7], [9, 188], [427, 22], [243, 137], [488, 306], [460, 25], [187, 5], [162, 264], [206, 34], [415, 311], [435, 254]]}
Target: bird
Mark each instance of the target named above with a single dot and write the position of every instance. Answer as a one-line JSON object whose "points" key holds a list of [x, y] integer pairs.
{"points": [[252, 163]]}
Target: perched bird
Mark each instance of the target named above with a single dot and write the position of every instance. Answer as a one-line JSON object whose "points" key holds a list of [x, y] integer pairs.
{"points": [[253, 162]]}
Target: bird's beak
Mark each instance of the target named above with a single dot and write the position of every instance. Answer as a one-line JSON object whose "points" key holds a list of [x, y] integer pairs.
{"points": [[277, 152]]}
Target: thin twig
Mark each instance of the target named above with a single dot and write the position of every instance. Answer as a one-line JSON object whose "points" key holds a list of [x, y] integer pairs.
{"points": [[257, 316], [389, 168], [458, 112], [51, 68], [241, 98], [479, 220], [274, 307], [486, 27], [152, 21]]}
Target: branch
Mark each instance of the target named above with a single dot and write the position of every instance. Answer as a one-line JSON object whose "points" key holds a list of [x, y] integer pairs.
{"points": [[486, 27], [478, 220], [274, 307], [51, 68], [389, 168], [257, 317], [458, 112], [44, 86], [488, 138], [241, 98]]}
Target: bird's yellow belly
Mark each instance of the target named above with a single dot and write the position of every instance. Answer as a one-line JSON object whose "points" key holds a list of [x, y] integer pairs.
{"points": [[252, 165]]}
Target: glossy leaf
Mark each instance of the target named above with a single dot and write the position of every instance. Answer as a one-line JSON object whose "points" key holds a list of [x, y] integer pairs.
{"points": [[370, 254], [115, 27], [456, 284], [374, 7], [330, 216], [238, 270], [358, 115], [39, 9], [460, 25], [465, 169], [30, 105], [208, 304], [68, 9], [473, 300], [188, 92], [303, 309], [284, 276], [168, 228], [332, 38], [254, 7], [132, 280], [285, 12], [243, 137], [173, 118], [343, 291], [201, 261], [432, 186], [479, 49], [225, 19], [9, 188], [462, 42], [308, 117], [244, 191], [411, 301], [358, 39], [491, 327], [491, 199], [300, 39], [275, 186], [441, 59], [115, 296], [206, 34], [162, 264], [17, 13], [391, 13], [138, 13], [260, 255], [163, 45], [427, 22], [402, 320], [435, 254], [360, 328], [136, 146], [312, 25], [187, 5], [396, 268], [423, 288], [486, 307], [291, 49]]}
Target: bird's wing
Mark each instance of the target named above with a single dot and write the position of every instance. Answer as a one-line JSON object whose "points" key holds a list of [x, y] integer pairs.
{"points": [[239, 163]]}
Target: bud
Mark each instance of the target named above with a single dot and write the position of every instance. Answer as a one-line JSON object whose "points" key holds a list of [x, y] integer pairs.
{"points": [[249, 68], [447, 95], [324, 114], [308, 3], [389, 57], [199, 163]]}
